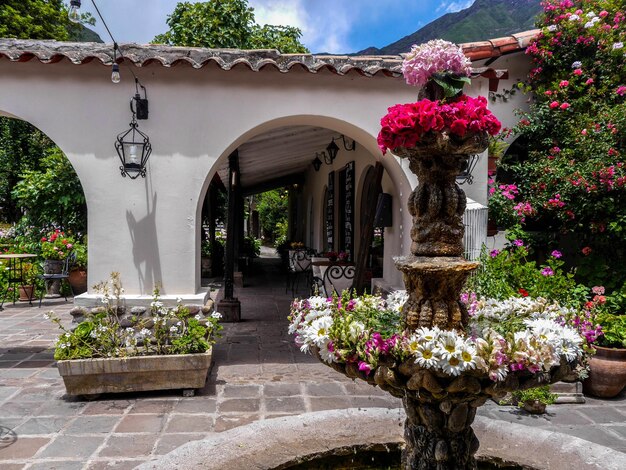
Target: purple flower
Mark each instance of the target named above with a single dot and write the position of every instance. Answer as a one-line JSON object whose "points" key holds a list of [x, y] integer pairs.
{"points": [[365, 367], [494, 253], [518, 242], [547, 271], [556, 254]]}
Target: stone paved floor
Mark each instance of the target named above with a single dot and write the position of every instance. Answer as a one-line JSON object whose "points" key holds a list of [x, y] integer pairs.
{"points": [[258, 374]]}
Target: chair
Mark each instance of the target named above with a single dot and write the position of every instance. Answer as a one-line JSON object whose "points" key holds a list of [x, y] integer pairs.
{"points": [[299, 265], [62, 276], [337, 278]]}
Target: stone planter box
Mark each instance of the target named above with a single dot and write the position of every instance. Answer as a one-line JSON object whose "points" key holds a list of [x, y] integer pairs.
{"points": [[135, 374]]}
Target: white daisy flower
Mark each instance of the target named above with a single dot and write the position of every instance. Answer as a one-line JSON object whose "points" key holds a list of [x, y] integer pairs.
{"points": [[325, 353], [449, 344], [319, 330], [452, 365], [216, 315], [426, 355], [552, 28], [618, 45], [468, 356], [427, 334]]}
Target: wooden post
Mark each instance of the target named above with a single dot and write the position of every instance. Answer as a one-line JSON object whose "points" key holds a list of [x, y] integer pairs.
{"points": [[230, 306]]}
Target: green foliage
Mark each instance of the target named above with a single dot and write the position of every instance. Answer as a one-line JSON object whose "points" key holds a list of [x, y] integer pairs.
{"points": [[226, 24], [273, 207], [43, 19], [53, 195], [21, 148], [614, 329], [161, 331], [509, 273], [34, 19], [541, 394]]}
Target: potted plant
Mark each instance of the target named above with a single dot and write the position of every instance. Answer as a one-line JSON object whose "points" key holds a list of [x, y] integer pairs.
{"points": [[55, 248], [78, 271], [29, 278], [534, 400], [114, 350], [607, 368]]}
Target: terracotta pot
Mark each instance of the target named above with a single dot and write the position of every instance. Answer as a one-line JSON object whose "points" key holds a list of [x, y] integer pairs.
{"points": [[78, 281], [607, 374], [26, 292]]}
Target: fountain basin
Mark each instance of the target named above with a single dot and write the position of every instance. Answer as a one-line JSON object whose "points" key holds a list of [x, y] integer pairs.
{"points": [[281, 442]]}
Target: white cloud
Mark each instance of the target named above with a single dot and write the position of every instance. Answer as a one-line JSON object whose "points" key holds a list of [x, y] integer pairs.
{"points": [[325, 24], [453, 7]]}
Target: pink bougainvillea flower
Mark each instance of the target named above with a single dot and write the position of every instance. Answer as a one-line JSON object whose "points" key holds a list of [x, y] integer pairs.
{"points": [[554, 104], [565, 106], [621, 90], [578, 72], [563, 83], [589, 81]]}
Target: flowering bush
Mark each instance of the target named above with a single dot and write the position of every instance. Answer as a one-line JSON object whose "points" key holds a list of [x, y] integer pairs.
{"points": [[510, 273], [438, 60], [161, 330], [574, 177], [366, 331], [405, 125], [56, 245]]}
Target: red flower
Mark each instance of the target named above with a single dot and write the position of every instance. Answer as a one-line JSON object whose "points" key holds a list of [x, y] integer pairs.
{"points": [[554, 104], [587, 250], [523, 292]]}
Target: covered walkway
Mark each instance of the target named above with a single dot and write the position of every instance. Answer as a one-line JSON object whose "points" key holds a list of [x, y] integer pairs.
{"points": [[258, 374]]}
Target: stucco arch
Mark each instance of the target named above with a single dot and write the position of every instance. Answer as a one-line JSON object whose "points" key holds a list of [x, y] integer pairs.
{"points": [[398, 181]]}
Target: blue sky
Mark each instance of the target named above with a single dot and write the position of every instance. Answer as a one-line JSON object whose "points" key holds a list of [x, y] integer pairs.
{"points": [[333, 26]]}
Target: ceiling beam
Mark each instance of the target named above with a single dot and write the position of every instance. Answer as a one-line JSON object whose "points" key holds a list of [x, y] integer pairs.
{"points": [[294, 178]]}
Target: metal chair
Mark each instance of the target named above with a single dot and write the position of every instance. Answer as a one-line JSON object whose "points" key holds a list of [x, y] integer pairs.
{"points": [[337, 278], [299, 265], [62, 276]]}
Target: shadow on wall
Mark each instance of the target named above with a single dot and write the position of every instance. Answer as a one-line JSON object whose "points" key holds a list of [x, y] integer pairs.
{"points": [[145, 247]]}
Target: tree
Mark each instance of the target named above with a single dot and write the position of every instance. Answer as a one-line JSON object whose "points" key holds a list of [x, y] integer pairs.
{"points": [[43, 19], [573, 182], [273, 207], [53, 195], [21, 148], [226, 24]]}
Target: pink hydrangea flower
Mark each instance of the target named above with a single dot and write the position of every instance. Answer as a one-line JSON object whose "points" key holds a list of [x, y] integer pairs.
{"points": [[436, 56]]}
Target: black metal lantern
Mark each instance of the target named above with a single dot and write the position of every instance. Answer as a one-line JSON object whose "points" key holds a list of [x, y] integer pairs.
{"points": [[332, 150], [134, 149], [317, 163]]}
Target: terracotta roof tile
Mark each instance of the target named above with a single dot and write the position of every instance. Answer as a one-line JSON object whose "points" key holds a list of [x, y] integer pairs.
{"points": [[49, 52]]}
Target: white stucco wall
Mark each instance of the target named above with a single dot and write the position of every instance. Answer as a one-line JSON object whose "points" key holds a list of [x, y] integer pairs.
{"points": [[148, 229]]}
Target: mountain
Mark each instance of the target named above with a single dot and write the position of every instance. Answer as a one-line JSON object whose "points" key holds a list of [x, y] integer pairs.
{"points": [[484, 19]]}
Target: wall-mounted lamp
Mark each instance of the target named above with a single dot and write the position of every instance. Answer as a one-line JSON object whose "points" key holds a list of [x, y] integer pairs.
{"points": [[332, 149], [73, 14], [317, 163], [133, 146]]}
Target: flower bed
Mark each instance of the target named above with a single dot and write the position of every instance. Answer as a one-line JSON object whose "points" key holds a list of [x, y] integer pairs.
{"points": [[521, 334]]}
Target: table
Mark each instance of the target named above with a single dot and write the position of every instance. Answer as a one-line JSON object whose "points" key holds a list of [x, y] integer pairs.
{"points": [[16, 278]]}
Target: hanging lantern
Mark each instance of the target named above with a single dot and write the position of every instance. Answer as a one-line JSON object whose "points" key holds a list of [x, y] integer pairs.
{"points": [[134, 149]]}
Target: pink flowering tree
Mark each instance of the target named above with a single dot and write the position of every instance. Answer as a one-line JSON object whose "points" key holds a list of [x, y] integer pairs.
{"points": [[573, 181]]}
